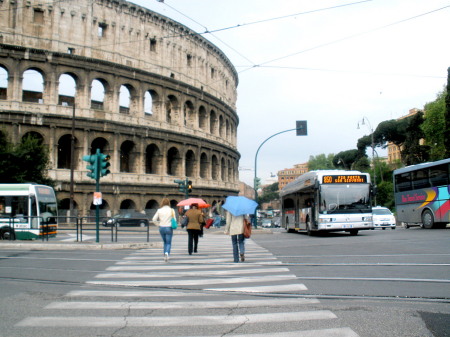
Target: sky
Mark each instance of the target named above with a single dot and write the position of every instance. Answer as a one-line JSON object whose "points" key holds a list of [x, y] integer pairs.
{"points": [[332, 63]]}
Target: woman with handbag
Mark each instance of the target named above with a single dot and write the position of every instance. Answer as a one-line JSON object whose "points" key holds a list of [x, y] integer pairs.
{"points": [[194, 227], [235, 228], [163, 218]]}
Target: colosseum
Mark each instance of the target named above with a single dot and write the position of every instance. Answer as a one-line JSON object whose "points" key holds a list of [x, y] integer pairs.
{"points": [[157, 97]]}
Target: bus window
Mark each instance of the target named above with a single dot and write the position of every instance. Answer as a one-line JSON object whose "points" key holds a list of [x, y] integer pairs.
{"points": [[439, 175], [420, 179], [403, 182]]}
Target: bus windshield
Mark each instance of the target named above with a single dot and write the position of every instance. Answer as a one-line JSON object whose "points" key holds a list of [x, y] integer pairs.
{"points": [[340, 198]]}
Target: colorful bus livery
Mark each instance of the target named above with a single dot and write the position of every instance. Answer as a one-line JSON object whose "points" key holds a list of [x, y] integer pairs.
{"points": [[27, 211], [422, 194]]}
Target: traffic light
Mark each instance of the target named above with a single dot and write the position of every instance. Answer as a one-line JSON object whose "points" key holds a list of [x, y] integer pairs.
{"points": [[104, 164], [93, 167], [189, 186], [181, 185]]}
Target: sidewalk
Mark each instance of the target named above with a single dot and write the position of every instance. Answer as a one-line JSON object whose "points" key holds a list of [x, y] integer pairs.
{"points": [[105, 240]]}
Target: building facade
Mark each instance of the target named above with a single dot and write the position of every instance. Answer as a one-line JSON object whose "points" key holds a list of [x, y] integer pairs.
{"points": [[287, 175], [110, 75]]}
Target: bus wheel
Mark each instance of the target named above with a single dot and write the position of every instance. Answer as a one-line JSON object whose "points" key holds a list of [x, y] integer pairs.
{"points": [[427, 219], [354, 232], [6, 234]]}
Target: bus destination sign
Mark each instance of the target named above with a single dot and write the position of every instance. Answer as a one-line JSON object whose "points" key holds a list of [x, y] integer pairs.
{"points": [[347, 179]]}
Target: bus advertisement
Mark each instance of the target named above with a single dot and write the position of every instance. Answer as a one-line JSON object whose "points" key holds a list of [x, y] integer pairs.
{"points": [[422, 194], [27, 211], [327, 201]]}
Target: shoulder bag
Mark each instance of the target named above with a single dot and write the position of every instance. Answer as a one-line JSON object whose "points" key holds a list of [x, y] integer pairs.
{"points": [[247, 229], [174, 221]]}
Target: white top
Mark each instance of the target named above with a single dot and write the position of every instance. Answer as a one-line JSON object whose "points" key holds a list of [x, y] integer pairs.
{"points": [[163, 216], [235, 224]]}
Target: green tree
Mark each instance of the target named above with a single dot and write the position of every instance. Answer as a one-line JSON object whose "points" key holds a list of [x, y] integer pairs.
{"points": [[346, 159], [385, 194], [269, 193], [433, 126], [321, 162], [28, 161]]}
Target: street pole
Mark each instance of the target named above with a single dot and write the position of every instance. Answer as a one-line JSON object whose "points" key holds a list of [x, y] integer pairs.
{"points": [[373, 154], [72, 163], [301, 131]]}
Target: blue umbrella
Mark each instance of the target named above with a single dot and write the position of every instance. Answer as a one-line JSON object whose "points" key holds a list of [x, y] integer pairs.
{"points": [[240, 205]]}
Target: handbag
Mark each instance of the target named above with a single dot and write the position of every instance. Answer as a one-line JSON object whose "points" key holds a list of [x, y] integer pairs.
{"points": [[174, 221], [247, 229], [184, 221]]}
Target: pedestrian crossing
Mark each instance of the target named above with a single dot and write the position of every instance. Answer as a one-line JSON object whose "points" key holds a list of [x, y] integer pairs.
{"points": [[203, 294]]}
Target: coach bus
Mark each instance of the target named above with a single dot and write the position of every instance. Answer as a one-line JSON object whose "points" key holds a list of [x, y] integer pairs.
{"points": [[327, 201], [27, 211], [422, 194]]}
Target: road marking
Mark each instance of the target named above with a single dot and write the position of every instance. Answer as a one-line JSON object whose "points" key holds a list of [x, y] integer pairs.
{"points": [[194, 273], [204, 320], [140, 294], [339, 332], [197, 282], [264, 289], [264, 302], [393, 279]]}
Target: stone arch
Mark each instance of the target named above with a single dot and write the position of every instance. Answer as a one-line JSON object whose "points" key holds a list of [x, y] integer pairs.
{"points": [[33, 86], [152, 159], [127, 99], [35, 135], [100, 143], [202, 118], [204, 169], [223, 170], [67, 88], [105, 210], [173, 162], [190, 163], [213, 122], [4, 75], [127, 204], [189, 115], [99, 87], [221, 126], [64, 151], [64, 208], [127, 157], [151, 99], [214, 167], [151, 207], [172, 109], [227, 129]]}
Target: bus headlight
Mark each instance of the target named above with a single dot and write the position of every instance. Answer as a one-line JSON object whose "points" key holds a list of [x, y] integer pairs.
{"points": [[367, 218]]}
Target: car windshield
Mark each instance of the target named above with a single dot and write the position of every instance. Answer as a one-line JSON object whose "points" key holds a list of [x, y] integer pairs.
{"points": [[381, 211], [344, 198]]}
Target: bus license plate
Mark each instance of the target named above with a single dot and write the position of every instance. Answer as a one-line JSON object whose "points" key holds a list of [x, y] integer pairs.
{"points": [[347, 226]]}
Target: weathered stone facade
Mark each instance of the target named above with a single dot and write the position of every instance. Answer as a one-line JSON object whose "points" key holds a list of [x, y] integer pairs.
{"points": [[178, 119]]}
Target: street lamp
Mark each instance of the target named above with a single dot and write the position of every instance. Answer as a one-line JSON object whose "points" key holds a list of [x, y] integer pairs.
{"points": [[363, 122]]}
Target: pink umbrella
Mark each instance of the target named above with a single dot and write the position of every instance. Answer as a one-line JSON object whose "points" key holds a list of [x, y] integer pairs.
{"points": [[188, 202]]}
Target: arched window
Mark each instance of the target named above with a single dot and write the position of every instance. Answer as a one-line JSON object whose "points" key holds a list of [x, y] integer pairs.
{"points": [[189, 114], [66, 90], [214, 168], [190, 163], [150, 100], [127, 157], [124, 100], [202, 118], [152, 157], [64, 151], [173, 162], [213, 122], [204, 166], [3, 83], [33, 86], [97, 94]]}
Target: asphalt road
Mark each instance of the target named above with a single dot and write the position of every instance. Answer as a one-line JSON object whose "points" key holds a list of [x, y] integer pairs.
{"points": [[378, 283]]}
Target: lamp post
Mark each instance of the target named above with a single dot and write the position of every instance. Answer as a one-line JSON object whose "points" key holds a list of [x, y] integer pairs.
{"points": [[363, 122], [301, 128]]}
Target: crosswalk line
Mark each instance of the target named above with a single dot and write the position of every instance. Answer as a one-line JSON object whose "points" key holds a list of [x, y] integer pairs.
{"points": [[338, 332], [139, 294], [208, 273], [130, 321], [264, 302], [283, 288], [197, 282]]}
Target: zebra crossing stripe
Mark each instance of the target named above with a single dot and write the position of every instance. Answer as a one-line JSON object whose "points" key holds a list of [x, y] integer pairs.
{"points": [[204, 320], [193, 273], [197, 282], [264, 289], [263, 302], [140, 294], [338, 332]]}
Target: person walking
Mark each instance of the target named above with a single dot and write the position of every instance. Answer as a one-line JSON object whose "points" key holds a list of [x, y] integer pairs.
{"points": [[194, 228], [163, 218], [235, 227], [217, 220]]}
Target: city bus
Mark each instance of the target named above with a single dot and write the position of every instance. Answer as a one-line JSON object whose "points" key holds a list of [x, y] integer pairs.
{"points": [[327, 201], [422, 194], [27, 211]]}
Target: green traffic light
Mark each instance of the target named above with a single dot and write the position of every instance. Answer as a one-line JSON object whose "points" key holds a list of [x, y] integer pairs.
{"points": [[104, 164]]}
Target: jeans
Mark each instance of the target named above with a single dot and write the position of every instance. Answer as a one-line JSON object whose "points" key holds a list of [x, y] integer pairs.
{"points": [[238, 246], [193, 240], [166, 234]]}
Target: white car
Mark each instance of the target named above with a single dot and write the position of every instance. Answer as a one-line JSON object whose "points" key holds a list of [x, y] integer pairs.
{"points": [[383, 218]]}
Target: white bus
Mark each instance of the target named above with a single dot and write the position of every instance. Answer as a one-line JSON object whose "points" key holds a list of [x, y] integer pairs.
{"points": [[327, 201], [27, 211]]}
